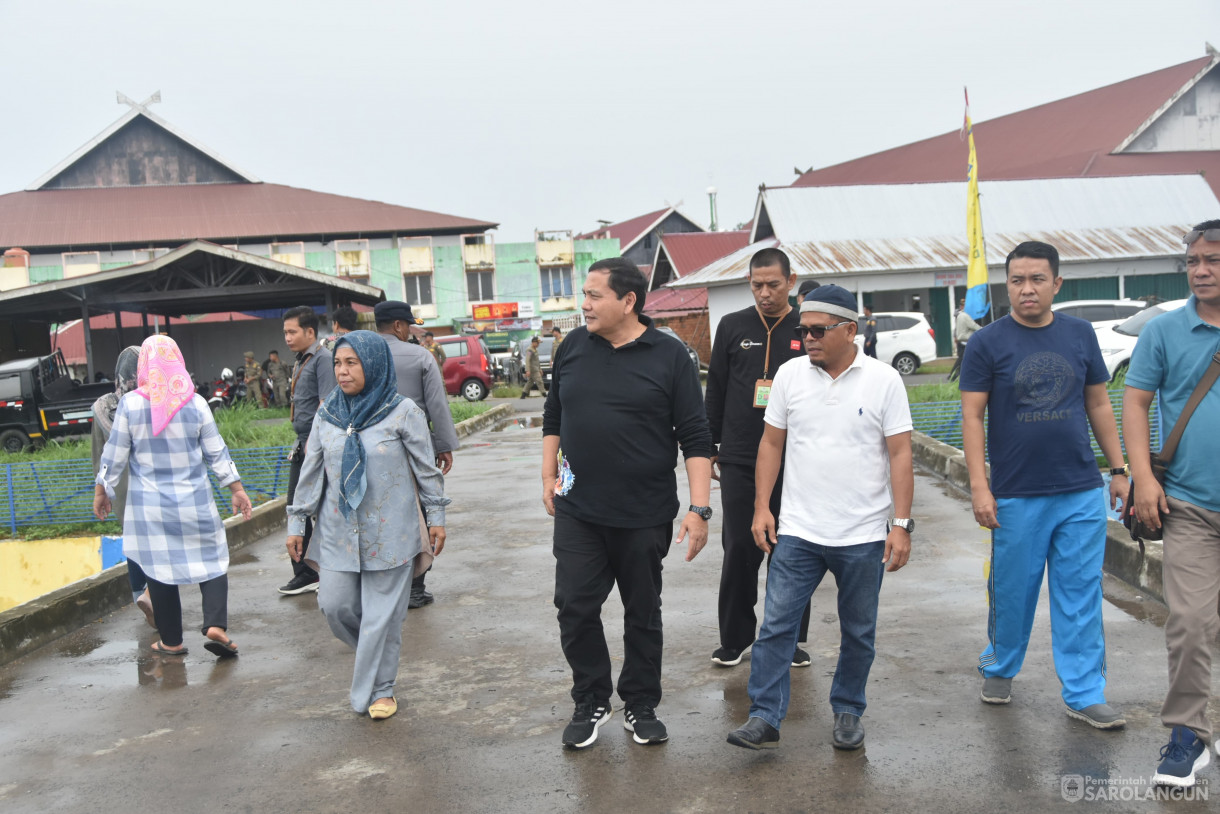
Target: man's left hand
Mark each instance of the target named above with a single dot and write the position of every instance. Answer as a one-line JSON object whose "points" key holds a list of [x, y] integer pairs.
{"points": [[897, 548], [444, 462], [694, 531]]}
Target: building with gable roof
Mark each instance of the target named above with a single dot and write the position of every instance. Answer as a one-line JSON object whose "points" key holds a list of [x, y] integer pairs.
{"points": [[142, 188], [1161, 123], [638, 237]]}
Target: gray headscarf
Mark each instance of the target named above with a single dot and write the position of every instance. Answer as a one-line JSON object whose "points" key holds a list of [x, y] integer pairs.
{"points": [[124, 382]]}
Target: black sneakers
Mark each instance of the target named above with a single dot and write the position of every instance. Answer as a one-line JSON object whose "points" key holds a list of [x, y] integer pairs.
{"points": [[301, 583], [586, 720], [642, 722], [727, 656]]}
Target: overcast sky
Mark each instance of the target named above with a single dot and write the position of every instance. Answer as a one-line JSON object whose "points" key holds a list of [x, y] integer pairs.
{"points": [[553, 115]]}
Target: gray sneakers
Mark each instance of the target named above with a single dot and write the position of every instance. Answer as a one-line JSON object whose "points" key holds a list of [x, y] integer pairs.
{"points": [[1100, 716], [996, 690]]}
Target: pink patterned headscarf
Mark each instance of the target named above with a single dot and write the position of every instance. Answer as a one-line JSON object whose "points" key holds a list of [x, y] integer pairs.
{"points": [[163, 380]]}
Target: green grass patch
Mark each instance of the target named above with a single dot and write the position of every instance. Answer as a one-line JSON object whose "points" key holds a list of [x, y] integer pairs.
{"points": [[506, 391], [462, 410], [937, 366], [57, 449], [242, 427], [109, 528], [936, 391]]}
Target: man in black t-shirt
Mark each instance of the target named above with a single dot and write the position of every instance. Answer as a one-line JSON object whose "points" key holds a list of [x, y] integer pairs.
{"points": [[750, 346], [624, 399]]}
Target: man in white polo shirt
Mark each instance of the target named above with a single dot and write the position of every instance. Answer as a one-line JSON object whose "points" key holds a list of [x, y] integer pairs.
{"points": [[844, 422]]}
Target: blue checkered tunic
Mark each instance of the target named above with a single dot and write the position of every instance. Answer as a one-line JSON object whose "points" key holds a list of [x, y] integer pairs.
{"points": [[171, 527]]}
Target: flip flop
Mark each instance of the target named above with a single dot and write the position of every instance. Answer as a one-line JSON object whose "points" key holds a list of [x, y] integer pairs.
{"points": [[225, 650], [145, 604], [158, 647]]}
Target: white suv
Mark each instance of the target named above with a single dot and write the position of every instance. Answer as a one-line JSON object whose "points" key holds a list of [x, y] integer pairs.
{"points": [[1118, 341], [904, 339]]}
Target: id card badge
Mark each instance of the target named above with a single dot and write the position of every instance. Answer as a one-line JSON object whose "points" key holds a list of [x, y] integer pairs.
{"points": [[762, 393]]}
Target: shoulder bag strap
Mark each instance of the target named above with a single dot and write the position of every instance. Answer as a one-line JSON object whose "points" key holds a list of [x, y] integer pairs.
{"points": [[1205, 384]]}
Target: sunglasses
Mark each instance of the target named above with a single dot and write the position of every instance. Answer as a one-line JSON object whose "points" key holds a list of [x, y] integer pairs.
{"points": [[1210, 235], [817, 331]]}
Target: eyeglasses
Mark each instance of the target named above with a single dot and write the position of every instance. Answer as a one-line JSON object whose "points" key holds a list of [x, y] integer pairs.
{"points": [[1210, 235], [818, 331]]}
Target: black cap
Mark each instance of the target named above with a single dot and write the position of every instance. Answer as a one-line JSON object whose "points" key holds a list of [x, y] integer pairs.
{"points": [[391, 310], [806, 287]]}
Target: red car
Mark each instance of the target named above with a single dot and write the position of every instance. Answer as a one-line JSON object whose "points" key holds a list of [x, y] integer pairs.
{"points": [[467, 366]]}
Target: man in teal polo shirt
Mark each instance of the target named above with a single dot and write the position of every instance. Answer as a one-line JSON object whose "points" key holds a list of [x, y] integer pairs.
{"points": [[1173, 352]]}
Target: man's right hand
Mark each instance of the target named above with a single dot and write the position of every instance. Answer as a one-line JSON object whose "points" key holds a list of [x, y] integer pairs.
{"points": [[1150, 502], [763, 529], [295, 544], [715, 467], [548, 495], [984, 505]]}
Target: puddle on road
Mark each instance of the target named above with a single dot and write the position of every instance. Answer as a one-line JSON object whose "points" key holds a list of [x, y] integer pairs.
{"points": [[528, 423], [242, 557], [81, 644]]}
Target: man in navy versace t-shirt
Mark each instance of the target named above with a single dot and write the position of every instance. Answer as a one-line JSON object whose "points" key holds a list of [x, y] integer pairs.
{"points": [[1039, 376]]}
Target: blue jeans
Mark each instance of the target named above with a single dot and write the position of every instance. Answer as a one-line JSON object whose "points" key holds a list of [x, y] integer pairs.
{"points": [[797, 568]]}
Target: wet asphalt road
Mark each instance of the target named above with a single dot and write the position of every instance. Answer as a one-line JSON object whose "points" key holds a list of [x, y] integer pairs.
{"points": [[95, 723]]}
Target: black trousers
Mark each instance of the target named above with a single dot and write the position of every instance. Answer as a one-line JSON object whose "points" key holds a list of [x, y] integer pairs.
{"points": [[167, 607], [739, 570], [302, 567], [589, 560]]}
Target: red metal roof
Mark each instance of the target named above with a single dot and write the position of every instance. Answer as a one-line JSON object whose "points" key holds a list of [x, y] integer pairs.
{"points": [[1071, 137], [222, 213], [70, 338], [672, 302], [627, 231], [690, 251]]}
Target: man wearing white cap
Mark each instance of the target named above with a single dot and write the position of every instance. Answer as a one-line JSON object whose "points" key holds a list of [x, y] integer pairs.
{"points": [[835, 411]]}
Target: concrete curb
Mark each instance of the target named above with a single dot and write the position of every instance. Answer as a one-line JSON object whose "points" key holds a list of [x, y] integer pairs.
{"points": [[1123, 558], [485, 420], [32, 624]]}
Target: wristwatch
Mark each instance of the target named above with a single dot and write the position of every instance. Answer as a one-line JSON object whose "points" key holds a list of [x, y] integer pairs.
{"points": [[1118, 470], [903, 523], [703, 511]]}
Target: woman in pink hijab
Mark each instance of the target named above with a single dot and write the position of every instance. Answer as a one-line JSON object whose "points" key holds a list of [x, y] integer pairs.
{"points": [[163, 431]]}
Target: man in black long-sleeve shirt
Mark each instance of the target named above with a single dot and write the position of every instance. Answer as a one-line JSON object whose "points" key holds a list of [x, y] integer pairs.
{"points": [[750, 346], [623, 398]]}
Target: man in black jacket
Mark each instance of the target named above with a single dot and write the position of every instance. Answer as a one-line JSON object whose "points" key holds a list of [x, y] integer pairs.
{"points": [[750, 346], [624, 397]]}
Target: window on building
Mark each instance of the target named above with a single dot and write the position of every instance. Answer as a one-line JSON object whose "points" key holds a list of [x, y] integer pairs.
{"points": [[417, 289], [480, 286], [78, 263], [352, 258], [556, 282], [292, 254]]}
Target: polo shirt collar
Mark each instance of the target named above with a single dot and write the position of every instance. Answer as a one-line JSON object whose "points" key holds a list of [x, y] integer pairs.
{"points": [[1193, 320], [649, 337], [855, 363]]}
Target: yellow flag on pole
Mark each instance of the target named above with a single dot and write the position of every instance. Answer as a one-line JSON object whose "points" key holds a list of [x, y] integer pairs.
{"points": [[978, 299]]}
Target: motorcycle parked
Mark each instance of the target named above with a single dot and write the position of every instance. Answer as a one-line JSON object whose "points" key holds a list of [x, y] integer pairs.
{"points": [[226, 391]]}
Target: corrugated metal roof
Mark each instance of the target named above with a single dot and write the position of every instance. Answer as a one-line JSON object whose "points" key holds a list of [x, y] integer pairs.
{"points": [[822, 258], [839, 230], [1072, 137], [673, 302], [221, 213], [689, 251], [933, 210]]}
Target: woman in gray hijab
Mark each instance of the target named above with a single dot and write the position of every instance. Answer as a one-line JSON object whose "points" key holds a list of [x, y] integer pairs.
{"points": [[103, 419]]}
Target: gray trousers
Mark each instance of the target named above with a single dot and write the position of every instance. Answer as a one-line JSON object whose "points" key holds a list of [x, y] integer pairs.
{"points": [[1191, 572], [366, 610]]}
